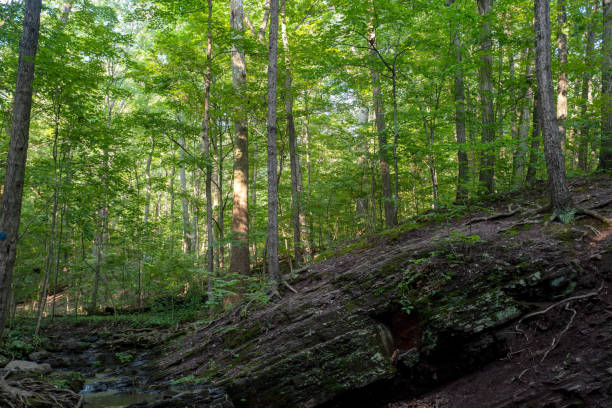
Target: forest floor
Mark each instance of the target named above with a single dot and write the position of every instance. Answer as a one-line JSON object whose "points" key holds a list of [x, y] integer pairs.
{"points": [[556, 353]]}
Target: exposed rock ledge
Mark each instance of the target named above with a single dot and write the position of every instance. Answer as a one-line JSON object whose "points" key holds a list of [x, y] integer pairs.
{"points": [[401, 314]]}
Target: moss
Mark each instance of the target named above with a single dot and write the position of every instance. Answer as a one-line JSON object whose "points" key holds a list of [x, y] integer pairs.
{"points": [[66, 379], [564, 233], [235, 336]]}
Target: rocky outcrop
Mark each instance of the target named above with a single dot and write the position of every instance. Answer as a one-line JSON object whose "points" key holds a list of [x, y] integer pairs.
{"points": [[201, 397], [27, 366], [398, 314]]}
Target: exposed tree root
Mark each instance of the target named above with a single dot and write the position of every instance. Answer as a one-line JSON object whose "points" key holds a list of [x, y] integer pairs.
{"points": [[594, 214], [601, 205], [28, 392], [556, 340], [560, 303], [289, 287]]}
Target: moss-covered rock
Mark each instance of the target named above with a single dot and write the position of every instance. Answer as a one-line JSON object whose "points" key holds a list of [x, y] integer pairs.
{"points": [[66, 379]]}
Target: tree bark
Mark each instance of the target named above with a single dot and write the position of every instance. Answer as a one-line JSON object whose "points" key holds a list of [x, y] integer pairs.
{"points": [[273, 266], [220, 205], [16, 160], [561, 199], [586, 99], [562, 83], [487, 161], [389, 205], [210, 236], [536, 134], [463, 168], [300, 243], [239, 262], [520, 154], [57, 181], [605, 155], [187, 241]]}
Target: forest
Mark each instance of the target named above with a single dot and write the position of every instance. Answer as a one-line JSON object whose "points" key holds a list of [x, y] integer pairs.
{"points": [[177, 158]]}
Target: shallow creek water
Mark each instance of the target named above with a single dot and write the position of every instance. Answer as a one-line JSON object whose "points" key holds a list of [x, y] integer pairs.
{"points": [[111, 383]]}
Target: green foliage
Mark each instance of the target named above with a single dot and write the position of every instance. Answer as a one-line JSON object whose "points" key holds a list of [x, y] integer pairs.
{"points": [[124, 357], [119, 85]]}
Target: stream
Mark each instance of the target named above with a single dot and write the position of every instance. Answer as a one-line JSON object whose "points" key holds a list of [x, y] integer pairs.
{"points": [[116, 369], [112, 379]]}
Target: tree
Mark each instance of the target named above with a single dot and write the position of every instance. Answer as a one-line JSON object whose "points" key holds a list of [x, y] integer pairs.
{"points": [[206, 142], [463, 167], [562, 83], [526, 101], [487, 162], [300, 243], [16, 160], [605, 156], [388, 202], [586, 95], [561, 200], [273, 266], [239, 262]]}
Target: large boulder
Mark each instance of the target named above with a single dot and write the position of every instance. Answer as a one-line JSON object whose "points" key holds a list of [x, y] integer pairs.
{"points": [[27, 366]]}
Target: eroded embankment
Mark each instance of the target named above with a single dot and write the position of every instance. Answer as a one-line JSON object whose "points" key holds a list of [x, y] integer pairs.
{"points": [[411, 310]]}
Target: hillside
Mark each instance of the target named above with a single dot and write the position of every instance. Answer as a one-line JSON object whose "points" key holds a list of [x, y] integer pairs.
{"points": [[497, 308]]}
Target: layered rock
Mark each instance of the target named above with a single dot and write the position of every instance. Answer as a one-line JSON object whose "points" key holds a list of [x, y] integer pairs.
{"points": [[403, 311]]}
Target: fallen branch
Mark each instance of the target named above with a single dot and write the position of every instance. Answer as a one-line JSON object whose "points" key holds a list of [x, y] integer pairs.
{"points": [[562, 302], [518, 224], [494, 216]]}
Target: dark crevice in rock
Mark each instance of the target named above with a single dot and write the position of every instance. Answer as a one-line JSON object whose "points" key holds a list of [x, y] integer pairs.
{"points": [[404, 328], [416, 375]]}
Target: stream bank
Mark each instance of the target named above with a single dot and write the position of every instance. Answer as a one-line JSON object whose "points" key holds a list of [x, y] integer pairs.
{"points": [[109, 367]]}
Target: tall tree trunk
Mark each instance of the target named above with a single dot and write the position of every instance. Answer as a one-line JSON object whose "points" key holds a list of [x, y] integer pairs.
{"points": [[561, 199], [526, 99], [433, 172], [195, 210], [389, 205], [147, 213], [253, 193], [147, 209], [536, 134], [187, 241], [300, 243], [562, 82], [395, 141], [57, 180], [273, 267], [311, 238], [586, 98], [487, 161], [239, 262], [605, 155], [16, 160], [206, 142], [220, 205], [57, 259], [463, 168]]}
